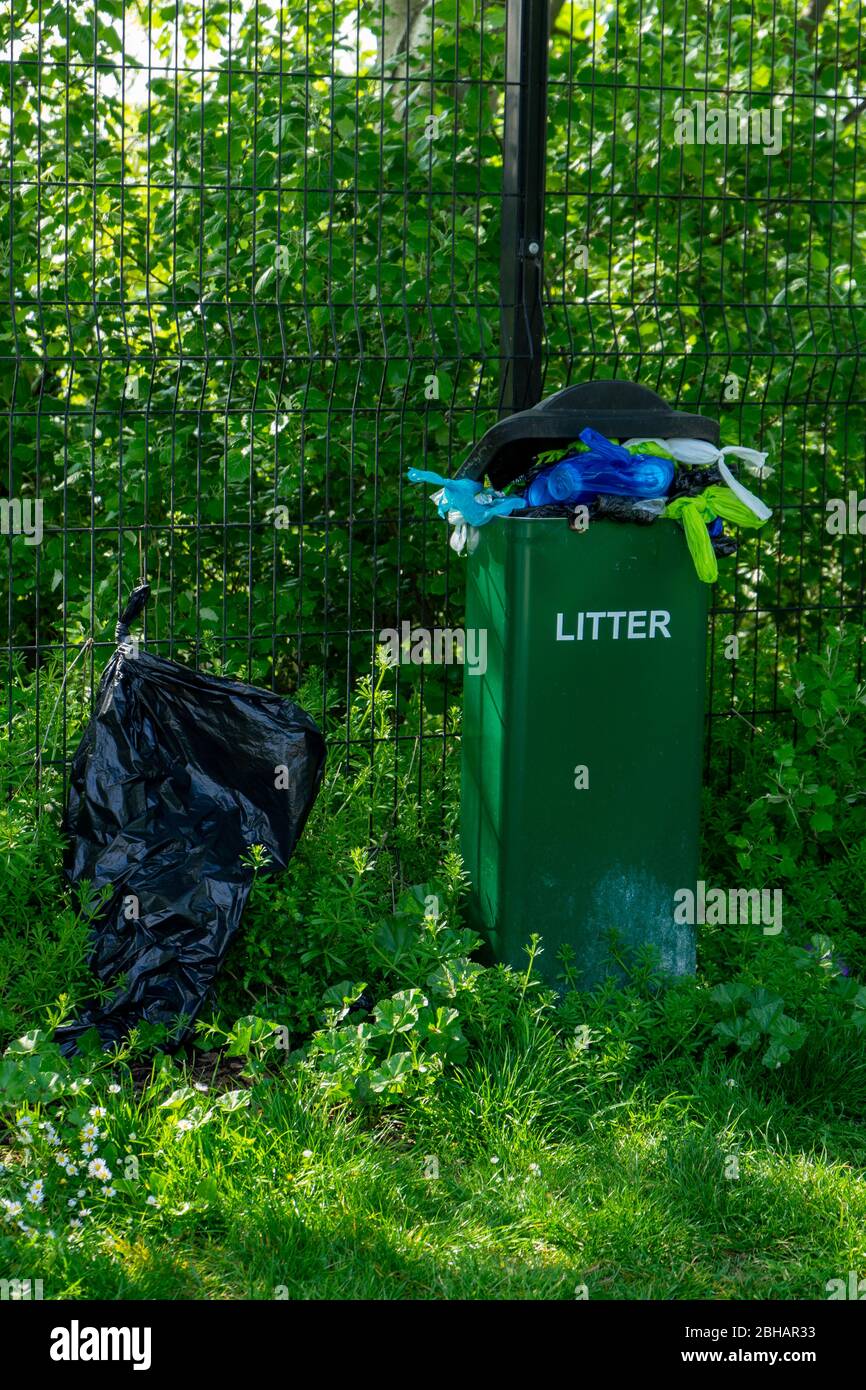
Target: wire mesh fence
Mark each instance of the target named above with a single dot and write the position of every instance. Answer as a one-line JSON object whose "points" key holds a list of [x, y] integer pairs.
{"points": [[258, 259], [704, 235]]}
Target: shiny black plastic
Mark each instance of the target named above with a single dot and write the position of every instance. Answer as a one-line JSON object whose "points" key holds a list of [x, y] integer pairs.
{"points": [[177, 776], [691, 482]]}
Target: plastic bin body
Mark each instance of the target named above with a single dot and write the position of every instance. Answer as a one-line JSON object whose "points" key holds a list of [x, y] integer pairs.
{"points": [[622, 698]]}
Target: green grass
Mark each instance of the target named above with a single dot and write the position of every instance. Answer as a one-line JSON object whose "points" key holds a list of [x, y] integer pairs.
{"points": [[608, 1144], [540, 1190]]}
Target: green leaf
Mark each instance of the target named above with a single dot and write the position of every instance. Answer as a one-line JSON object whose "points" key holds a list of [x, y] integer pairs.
{"points": [[738, 1031], [765, 1014], [788, 1031], [776, 1055], [729, 996], [400, 1013], [233, 1100], [391, 1073], [178, 1098], [396, 937]]}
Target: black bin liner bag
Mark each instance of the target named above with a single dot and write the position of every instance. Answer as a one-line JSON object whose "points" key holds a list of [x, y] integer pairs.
{"points": [[177, 775]]}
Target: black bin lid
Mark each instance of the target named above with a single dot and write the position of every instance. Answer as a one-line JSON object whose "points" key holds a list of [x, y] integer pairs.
{"points": [[617, 409]]}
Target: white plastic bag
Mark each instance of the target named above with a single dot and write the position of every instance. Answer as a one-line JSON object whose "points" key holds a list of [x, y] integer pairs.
{"points": [[697, 453]]}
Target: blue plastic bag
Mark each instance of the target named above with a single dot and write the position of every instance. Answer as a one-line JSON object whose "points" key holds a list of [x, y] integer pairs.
{"points": [[605, 467], [475, 504]]}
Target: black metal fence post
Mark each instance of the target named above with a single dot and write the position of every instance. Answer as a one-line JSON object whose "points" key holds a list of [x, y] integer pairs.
{"points": [[525, 133]]}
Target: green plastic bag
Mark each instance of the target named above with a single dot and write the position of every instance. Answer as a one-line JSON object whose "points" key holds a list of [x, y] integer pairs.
{"points": [[696, 512]]}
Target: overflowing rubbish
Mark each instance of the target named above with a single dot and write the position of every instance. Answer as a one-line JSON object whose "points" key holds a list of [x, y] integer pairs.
{"points": [[698, 513], [748, 499], [178, 777], [466, 505], [642, 511], [723, 544], [475, 505], [691, 482], [697, 453], [604, 467], [639, 482]]}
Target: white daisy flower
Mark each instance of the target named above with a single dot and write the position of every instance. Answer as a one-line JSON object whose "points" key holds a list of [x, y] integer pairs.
{"points": [[35, 1193], [88, 1148], [98, 1168]]}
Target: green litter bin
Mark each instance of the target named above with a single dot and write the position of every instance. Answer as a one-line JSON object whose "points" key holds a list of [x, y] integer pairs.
{"points": [[582, 739]]}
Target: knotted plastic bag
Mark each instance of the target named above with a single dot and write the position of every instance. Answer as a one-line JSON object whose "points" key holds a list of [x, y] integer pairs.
{"points": [[473, 503], [698, 454], [177, 776], [696, 513]]}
